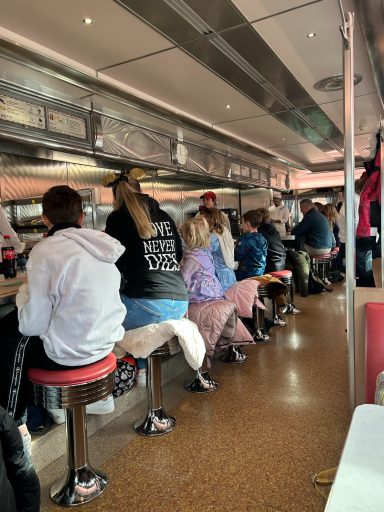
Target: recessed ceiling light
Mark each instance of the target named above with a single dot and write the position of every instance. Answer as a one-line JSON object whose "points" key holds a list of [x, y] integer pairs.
{"points": [[88, 21], [228, 106], [311, 34], [283, 139]]}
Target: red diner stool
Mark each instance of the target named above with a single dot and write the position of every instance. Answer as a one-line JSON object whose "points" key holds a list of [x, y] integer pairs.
{"points": [[285, 276], [72, 390]]}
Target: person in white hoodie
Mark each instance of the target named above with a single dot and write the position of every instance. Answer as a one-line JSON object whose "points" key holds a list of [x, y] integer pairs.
{"points": [[70, 312]]}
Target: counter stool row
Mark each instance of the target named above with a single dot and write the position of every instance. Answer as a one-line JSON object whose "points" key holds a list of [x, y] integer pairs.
{"points": [[72, 390]]}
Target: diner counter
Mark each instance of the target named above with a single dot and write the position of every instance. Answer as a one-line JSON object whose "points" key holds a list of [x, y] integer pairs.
{"points": [[10, 287]]}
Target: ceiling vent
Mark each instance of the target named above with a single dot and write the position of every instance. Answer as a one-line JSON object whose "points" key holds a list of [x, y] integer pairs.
{"points": [[335, 83]]}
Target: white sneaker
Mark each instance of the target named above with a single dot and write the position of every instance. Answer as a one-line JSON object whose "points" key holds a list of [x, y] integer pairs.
{"points": [[58, 416], [104, 406], [141, 377]]}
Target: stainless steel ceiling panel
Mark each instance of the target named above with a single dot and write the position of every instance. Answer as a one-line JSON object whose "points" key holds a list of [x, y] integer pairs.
{"points": [[252, 47], [214, 59], [136, 143], [319, 118], [163, 18], [298, 126], [220, 14]]}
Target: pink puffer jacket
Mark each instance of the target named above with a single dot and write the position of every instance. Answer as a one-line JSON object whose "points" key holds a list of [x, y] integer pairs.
{"points": [[218, 324], [244, 295]]}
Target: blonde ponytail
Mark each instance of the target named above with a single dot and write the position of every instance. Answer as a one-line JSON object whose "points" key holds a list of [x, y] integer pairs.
{"points": [[126, 194]]}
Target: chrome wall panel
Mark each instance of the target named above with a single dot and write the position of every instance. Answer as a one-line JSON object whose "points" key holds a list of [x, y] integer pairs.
{"points": [[22, 177], [27, 177], [85, 176], [136, 143], [255, 198]]}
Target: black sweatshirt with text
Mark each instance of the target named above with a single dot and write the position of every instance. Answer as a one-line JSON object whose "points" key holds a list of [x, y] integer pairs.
{"points": [[150, 267]]}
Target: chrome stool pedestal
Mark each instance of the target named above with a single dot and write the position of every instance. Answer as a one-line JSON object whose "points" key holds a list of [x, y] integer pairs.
{"points": [[202, 383], [72, 390], [233, 355], [156, 422]]}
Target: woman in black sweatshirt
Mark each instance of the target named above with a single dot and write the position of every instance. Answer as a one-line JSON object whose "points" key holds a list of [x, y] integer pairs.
{"points": [[153, 287]]}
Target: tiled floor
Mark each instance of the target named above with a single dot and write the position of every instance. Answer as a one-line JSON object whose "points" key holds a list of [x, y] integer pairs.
{"points": [[252, 445]]}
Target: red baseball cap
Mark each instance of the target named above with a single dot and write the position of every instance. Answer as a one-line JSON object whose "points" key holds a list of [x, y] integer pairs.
{"points": [[209, 195]]}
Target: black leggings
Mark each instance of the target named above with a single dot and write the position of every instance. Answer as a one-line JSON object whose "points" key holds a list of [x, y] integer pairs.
{"points": [[18, 353]]}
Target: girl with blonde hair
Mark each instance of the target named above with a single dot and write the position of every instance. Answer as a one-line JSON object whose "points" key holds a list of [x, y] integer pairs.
{"points": [[197, 264], [221, 247]]}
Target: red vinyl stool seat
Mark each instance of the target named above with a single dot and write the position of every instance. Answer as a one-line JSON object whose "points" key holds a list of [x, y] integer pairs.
{"points": [[285, 276], [280, 274], [72, 390]]}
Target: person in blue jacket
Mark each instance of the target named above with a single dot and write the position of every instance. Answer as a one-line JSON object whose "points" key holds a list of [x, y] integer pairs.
{"points": [[315, 230], [251, 249]]}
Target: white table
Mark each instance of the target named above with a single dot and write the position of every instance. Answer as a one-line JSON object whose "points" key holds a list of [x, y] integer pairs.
{"points": [[359, 483]]}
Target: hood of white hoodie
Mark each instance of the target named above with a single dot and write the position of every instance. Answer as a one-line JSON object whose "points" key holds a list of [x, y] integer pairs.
{"points": [[97, 243]]}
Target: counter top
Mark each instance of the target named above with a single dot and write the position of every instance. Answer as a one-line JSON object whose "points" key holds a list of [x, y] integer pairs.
{"points": [[359, 482], [10, 287]]}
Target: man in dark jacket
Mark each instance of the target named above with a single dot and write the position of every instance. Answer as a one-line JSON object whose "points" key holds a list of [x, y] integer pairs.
{"points": [[19, 484], [314, 228], [275, 250]]}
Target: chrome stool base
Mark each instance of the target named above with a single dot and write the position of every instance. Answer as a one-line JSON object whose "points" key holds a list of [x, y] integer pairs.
{"points": [[155, 423], [202, 383], [234, 355], [78, 486]]}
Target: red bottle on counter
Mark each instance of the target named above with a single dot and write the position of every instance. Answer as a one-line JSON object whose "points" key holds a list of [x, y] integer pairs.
{"points": [[8, 256]]}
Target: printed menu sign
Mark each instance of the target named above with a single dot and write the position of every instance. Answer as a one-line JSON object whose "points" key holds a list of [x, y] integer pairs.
{"points": [[22, 112], [66, 124]]}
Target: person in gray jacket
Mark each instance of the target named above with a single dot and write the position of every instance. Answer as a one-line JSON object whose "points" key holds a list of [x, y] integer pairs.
{"points": [[315, 230]]}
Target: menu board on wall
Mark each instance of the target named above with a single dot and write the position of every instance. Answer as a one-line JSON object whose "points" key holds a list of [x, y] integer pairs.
{"points": [[22, 112], [66, 124]]}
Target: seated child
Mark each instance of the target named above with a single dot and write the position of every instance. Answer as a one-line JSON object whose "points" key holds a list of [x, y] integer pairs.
{"points": [[222, 247], [251, 249], [199, 274], [197, 264], [70, 312]]}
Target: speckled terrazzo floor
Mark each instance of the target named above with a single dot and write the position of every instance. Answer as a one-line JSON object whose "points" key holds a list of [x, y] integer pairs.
{"points": [[252, 445]]}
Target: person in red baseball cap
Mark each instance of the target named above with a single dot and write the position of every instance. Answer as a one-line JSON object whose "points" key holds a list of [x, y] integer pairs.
{"points": [[209, 201]]}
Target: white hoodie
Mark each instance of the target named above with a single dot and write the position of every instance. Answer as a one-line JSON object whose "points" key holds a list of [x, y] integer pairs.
{"points": [[72, 299]]}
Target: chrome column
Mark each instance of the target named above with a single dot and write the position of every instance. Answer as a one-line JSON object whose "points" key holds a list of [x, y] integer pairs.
{"points": [[349, 190]]}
